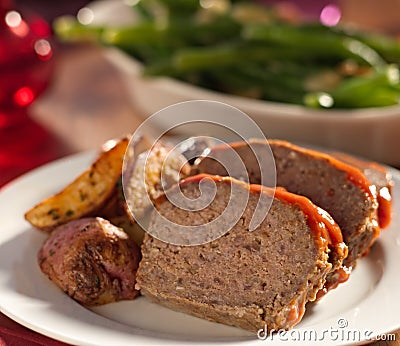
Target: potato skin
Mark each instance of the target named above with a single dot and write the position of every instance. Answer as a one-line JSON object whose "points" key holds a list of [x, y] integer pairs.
{"points": [[92, 261], [86, 195]]}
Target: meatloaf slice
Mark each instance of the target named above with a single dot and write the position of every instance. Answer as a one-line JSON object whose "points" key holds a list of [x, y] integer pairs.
{"points": [[379, 176], [339, 188], [247, 279]]}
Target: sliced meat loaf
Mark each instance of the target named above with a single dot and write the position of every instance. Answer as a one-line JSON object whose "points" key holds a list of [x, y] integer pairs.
{"points": [[339, 188], [379, 176], [246, 279]]}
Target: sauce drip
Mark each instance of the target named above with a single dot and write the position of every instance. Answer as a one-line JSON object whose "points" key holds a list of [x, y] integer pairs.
{"points": [[340, 275], [385, 207]]}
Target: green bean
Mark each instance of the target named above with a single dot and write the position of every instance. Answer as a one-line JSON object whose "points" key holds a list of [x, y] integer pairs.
{"points": [[67, 28], [255, 79], [236, 82], [284, 82], [201, 58], [376, 90], [386, 46], [161, 10], [149, 8], [317, 45], [177, 33], [146, 33]]}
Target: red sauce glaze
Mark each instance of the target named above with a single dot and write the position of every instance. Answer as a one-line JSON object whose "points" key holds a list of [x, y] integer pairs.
{"points": [[321, 223], [354, 174], [385, 207], [297, 310], [341, 275]]}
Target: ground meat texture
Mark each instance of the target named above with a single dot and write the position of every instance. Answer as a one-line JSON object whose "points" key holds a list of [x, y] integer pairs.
{"points": [[326, 181], [244, 279], [379, 176], [92, 261]]}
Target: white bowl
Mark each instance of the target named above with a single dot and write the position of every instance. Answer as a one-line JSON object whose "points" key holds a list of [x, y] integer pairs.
{"points": [[373, 133]]}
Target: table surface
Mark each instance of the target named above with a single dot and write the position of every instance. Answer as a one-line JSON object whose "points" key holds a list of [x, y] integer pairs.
{"points": [[85, 106]]}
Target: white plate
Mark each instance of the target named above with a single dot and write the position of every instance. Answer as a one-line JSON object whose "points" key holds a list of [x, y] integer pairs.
{"points": [[368, 303]]}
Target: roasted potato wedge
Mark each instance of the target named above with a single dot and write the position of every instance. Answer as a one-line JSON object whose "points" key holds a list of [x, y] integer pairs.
{"points": [[86, 195]]}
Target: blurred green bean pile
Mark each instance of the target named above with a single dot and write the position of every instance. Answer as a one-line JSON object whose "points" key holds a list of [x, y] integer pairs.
{"points": [[244, 48]]}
